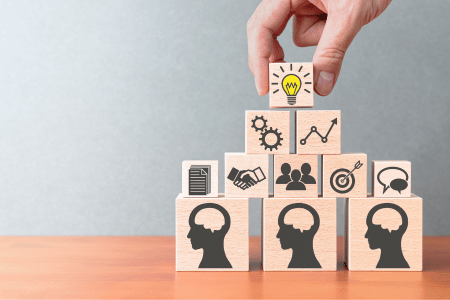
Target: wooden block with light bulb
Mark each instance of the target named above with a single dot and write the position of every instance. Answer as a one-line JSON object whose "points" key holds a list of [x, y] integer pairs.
{"points": [[267, 132], [212, 234], [291, 85], [299, 234], [383, 234]]}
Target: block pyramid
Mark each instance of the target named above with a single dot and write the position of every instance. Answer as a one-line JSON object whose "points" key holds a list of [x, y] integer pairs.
{"points": [[383, 230]]}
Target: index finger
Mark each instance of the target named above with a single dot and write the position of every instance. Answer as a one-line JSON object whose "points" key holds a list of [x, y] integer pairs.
{"points": [[267, 22]]}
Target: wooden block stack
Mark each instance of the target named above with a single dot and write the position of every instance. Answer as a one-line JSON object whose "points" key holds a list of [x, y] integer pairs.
{"points": [[298, 224]]}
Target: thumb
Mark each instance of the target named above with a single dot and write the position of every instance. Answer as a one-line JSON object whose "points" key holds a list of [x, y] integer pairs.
{"points": [[341, 27]]}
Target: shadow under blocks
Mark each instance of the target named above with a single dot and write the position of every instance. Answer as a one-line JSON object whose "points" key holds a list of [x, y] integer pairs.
{"points": [[383, 230]]}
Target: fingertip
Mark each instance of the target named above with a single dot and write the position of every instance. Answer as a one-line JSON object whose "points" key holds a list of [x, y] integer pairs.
{"points": [[325, 83]]}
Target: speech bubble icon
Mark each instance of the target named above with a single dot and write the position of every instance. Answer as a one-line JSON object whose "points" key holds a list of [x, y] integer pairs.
{"points": [[398, 184]]}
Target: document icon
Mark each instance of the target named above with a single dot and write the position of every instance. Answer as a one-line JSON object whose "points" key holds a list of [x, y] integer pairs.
{"points": [[199, 180]]}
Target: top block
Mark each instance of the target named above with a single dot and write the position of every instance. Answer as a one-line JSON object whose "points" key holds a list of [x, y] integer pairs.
{"points": [[291, 85]]}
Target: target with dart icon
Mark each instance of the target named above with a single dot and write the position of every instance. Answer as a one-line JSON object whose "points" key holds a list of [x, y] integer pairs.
{"points": [[344, 175], [342, 180]]}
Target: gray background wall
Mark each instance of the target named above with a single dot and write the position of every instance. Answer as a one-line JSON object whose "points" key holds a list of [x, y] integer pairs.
{"points": [[100, 101]]}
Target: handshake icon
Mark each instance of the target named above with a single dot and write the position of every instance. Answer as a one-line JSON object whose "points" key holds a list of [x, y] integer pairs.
{"points": [[246, 178]]}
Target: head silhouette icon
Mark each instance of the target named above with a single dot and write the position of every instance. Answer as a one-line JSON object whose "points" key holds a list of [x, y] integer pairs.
{"points": [[390, 243], [211, 242], [301, 242]]}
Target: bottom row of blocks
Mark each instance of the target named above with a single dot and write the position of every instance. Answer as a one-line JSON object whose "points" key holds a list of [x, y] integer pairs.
{"points": [[299, 234]]}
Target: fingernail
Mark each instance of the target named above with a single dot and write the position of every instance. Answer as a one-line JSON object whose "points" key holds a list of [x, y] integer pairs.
{"points": [[325, 83], [258, 89]]}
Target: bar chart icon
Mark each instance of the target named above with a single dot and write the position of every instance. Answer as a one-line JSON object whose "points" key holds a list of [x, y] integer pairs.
{"points": [[199, 180]]}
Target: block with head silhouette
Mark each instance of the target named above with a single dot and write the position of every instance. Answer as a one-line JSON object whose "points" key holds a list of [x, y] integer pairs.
{"points": [[291, 85], [246, 175], [299, 234], [383, 234], [344, 175], [267, 132], [200, 178], [318, 132], [391, 178], [212, 234], [295, 176]]}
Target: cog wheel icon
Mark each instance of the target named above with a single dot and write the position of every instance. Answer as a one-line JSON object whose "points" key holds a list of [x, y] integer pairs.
{"points": [[268, 132], [264, 123]]}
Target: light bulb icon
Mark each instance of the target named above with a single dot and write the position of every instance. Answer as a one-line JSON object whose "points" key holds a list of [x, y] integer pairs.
{"points": [[291, 85]]}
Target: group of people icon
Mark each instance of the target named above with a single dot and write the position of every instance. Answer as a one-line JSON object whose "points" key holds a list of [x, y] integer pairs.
{"points": [[295, 180]]}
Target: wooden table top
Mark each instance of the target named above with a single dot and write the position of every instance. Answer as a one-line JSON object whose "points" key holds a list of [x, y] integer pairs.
{"points": [[144, 267]]}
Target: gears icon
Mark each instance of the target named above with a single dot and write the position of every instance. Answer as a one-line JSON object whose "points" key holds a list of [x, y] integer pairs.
{"points": [[264, 123], [269, 132]]}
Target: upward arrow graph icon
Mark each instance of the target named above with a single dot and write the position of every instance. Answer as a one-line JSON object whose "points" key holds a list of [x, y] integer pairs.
{"points": [[314, 130]]}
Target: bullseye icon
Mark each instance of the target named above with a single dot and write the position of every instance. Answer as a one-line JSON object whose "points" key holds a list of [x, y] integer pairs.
{"points": [[342, 180]]}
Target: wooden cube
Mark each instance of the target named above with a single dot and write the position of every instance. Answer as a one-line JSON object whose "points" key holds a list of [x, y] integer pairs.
{"points": [[291, 85], [391, 178], [212, 234], [200, 178], [344, 175], [318, 131], [295, 176], [299, 234], [246, 175], [267, 132], [383, 234]]}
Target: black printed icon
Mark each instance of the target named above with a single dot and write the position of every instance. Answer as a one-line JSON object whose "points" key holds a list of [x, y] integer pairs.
{"points": [[295, 180], [342, 180], [390, 243], [398, 184], [199, 180], [292, 84], [245, 179], [301, 242], [324, 139], [270, 138], [211, 242]]}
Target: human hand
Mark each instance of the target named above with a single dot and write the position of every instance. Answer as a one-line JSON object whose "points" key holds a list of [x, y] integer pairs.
{"points": [[329, 24]]}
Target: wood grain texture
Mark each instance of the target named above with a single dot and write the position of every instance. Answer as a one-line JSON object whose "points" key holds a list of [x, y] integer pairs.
{"points": [[305, 95], [360, 257], [324, 242], [235, 242], [388, 175], [214, 177], [242, 161], [273, 120], [332, 163], [296, 162], [138, 267], [322, 120]]}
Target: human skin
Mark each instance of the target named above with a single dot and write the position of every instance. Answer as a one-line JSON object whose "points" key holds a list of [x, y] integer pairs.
{"points": [[330, 24]]}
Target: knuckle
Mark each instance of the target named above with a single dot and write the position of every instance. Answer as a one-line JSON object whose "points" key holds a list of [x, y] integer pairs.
{"points": [[333, 56]]}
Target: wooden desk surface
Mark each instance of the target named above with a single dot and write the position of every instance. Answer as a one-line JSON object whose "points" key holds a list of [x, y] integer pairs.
{"points": [[144, 267]]}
